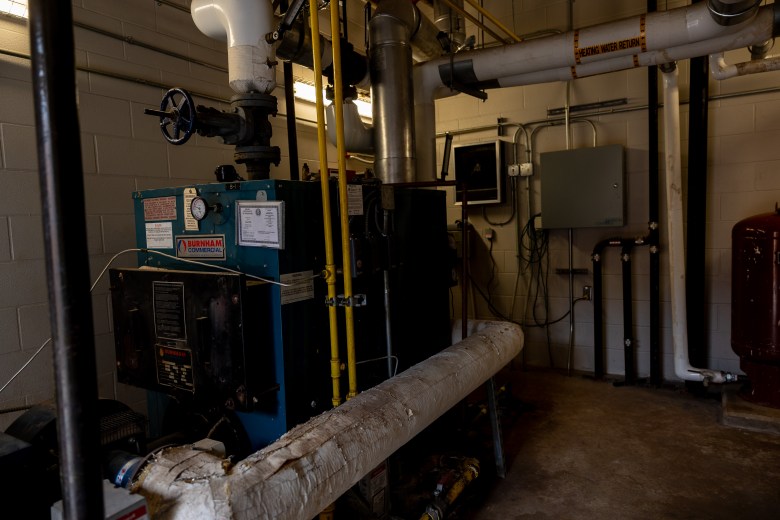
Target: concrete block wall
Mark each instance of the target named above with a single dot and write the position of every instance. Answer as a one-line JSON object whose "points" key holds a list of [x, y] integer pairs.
{"points": [[743, 180], [122, 151]]}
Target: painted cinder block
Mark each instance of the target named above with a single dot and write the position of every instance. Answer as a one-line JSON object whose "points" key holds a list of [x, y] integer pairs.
{"points": [[26, 237], [9, 331], [127, 156], [19, 147]]}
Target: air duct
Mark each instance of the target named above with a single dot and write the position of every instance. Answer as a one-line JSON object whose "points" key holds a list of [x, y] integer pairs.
{"points": [[450, 22], [243, 25], [316, 462], [390, 61], [732, 12]]}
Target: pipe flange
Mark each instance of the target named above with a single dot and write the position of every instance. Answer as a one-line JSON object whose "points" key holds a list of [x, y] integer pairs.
{"points": [[254, 100], [732, 12], [257, 153]]}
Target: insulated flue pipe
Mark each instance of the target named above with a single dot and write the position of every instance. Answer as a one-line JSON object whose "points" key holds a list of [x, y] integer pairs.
{"points": [[244, 26], [675, 236], [316, 462]]}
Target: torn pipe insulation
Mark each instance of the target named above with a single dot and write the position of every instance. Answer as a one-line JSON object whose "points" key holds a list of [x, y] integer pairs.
{"points": [[648, 39], [675, 237], [720, 70], [316, 462], [251, 60]]}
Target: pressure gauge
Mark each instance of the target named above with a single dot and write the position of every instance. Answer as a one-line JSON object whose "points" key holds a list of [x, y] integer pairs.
{"points": [[199, 208]]}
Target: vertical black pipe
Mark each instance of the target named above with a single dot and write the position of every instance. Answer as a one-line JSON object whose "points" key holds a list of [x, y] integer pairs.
{"points": [[653, 224], [628, 322], [289, 99], [464, 223], [67, 266], [598, 320], [697, 209]]}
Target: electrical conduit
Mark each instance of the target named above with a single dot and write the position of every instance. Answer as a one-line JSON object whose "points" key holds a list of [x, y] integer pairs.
{"points": [[674, 230], [330, 267], [338, 102]]}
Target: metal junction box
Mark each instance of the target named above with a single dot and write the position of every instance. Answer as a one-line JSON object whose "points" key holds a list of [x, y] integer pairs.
{"points": [[583, 188]]}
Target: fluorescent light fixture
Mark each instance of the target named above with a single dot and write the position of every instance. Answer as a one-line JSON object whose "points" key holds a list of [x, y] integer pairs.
{"points": [[17, 8], [306, 92]]}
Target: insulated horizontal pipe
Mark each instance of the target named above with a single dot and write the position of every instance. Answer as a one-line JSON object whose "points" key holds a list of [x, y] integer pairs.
{"points": [[641, 34], [316, 462], [752, 34], [720, 70]]}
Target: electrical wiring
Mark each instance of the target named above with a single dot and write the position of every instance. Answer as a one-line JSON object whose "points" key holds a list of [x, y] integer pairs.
{"points": [[159, 253], [511, 217]]}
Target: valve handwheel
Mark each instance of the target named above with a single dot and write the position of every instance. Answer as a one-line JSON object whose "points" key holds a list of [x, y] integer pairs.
{"points": [[177, 116]]}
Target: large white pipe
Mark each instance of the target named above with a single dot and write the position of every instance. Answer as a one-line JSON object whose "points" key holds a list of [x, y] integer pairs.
{"points": [[720, 70], [753, 33], [243, 24], [644, 40], [675, 236], [316, 462]]}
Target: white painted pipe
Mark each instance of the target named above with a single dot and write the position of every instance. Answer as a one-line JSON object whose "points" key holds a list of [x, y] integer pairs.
{"points": [[358, 137], [644, 40], [753, 33], [243, 24], [316, 462], [720, 70], [675, 237]]}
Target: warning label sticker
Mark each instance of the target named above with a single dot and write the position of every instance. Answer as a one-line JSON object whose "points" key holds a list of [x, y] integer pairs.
{"points": [[169, 310], [159, 235], [160, 208], [201, 246], [174, 367], [301, 287], [355, 199]]}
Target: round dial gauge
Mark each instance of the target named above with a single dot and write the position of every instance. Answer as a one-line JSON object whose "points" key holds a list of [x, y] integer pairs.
{"points": [[199, 208]]}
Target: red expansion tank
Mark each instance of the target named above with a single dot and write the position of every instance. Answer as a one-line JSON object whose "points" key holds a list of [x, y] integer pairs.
{"points": [[755, 304]]}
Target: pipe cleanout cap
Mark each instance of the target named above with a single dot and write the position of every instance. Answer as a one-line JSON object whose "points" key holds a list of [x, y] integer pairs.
{"points": [[732, 12]]}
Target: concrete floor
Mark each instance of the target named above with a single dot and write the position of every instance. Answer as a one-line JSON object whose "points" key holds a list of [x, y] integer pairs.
{"points": [[580, 448]]}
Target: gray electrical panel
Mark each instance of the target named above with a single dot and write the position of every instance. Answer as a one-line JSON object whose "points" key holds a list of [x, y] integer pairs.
{"points": [[583, 188]]}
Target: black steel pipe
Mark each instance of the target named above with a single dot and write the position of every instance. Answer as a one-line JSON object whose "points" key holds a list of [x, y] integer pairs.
{"points": [[629, 360], [696, 214], [67, 268], [289, 99], [464, 226], [653, 222], [598, 309]]}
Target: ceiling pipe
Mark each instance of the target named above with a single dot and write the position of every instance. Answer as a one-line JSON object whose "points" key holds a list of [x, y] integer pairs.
{"points": [[648, 39], [675, 236], [450, 22], [251, 60], [316, 462], [721, 70]]}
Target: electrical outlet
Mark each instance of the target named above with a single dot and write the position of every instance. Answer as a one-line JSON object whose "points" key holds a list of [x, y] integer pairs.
{"points": [[488, 234], [513, 170], [526, 169], [587, 292]]}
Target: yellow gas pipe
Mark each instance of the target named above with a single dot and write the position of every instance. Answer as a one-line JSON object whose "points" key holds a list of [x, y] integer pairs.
{"points": [[338, 100], [330, 267]]}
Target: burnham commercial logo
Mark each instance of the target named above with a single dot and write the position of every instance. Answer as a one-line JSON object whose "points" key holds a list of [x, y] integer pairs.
{"points": [[201, 246]]}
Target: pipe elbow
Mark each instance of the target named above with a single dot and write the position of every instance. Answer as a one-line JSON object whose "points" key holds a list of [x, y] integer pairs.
{"points": [[732, 12]]}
